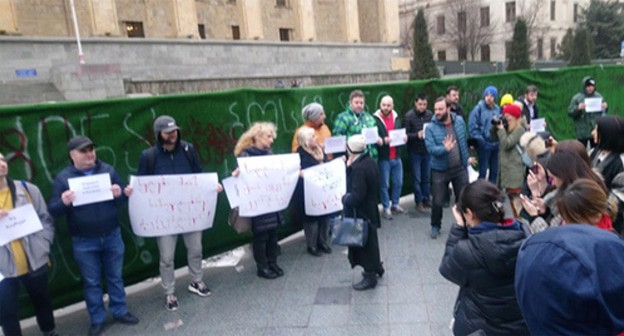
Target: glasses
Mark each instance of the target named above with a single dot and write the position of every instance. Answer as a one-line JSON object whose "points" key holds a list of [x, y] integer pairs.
{"points": [[87, 149]]}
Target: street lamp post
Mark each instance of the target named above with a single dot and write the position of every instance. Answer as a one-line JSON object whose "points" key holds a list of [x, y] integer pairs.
{"points": [[80, 54]]}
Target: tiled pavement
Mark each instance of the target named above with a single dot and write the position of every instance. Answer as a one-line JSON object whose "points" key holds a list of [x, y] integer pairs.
{"points": [[314, 297]]}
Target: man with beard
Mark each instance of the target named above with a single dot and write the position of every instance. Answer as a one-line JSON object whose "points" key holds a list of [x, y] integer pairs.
{"points": [[584, 121], [414, 122], [529, 106], [445, 139], [452, 96], [479, 125], [355, 119]]}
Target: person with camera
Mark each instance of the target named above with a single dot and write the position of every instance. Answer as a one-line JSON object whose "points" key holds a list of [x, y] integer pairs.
{"points": [[507, 131], [480, 257], [479, 125]]}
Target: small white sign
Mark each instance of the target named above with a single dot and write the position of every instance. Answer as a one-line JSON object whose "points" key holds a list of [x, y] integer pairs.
{"points": [[537, 125], [370, 135], [397, 137], [335, 144], [91, 189], [232, 191], [425, 125], [20, 222], [593, 104]]}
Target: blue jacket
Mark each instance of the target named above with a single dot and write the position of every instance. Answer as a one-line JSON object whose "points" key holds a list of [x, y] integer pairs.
{"points": [[182, 160], [434, 140], [480, 122], [569, 281], [89, 220]]}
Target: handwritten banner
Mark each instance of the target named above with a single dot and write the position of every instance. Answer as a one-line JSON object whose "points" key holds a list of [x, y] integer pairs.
{"points": [[20, 222], [323, 187], [266, 183], [171, 204], [91, 189]]}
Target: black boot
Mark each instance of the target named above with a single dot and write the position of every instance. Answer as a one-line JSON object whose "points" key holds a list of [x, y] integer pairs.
{"points": [[369, 281], [379, 271]]}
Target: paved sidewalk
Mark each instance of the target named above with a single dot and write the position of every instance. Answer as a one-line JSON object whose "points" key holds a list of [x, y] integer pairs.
{"points": [[314, 297]]}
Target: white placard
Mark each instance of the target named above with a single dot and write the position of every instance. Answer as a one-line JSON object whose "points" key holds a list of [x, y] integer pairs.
{"points": [[267, 183], [171, 204], [425, 125], [335, 144], [20, 222], [323, 187], [397, 137], [232, 191], [91, 189], [473, 175], [537, 125], [593, 104], [370, 135], [1, 277]]}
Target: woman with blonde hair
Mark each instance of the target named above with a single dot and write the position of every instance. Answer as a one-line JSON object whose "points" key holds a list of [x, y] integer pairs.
{"points": [[256, 141], [585, 202], [315, 228]]}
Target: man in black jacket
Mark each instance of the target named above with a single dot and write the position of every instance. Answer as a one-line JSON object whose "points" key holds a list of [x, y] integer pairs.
{"points": [[529, 105], [452, 97], [414, 122]]}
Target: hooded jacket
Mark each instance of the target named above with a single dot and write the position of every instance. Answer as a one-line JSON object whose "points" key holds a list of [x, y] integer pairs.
{"points": [[482, 262], [584, 122], [569, 281], [383, 151], [181, 160]]}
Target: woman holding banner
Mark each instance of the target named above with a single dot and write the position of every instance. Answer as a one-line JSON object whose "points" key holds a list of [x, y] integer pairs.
{"points": [[257, 140], [361, 198], [315, 228]]}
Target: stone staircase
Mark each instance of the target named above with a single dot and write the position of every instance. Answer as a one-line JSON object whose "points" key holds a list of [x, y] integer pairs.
{"points": [[28, 92]]}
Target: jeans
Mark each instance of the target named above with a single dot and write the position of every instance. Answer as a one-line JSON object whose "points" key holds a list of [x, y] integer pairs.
{"points": [[36, 284], [390, 169], [265, 248], [421, 173], [97, 256], [488, 159], [440, 180], [166, 248]]}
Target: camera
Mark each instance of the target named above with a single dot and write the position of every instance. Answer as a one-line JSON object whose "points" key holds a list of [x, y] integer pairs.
{"points": [[497, 121]]}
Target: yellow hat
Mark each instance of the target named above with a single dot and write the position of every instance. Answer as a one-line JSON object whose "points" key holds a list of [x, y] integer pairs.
{"points": [[506, 99]]}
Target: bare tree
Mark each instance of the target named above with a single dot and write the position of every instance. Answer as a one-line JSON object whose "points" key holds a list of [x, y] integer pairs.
{"points": [[468, 29], [537, 28]]}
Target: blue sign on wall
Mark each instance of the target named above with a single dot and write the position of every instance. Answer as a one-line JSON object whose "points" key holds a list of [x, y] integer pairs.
{"points": [[26, 72]]}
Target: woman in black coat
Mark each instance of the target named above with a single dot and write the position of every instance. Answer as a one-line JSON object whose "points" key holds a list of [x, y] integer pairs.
{"points": [[257, 140], [362, 191], [480, 258]]}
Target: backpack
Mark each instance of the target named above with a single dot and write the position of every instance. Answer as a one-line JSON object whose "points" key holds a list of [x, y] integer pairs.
{"points": [[150, 155]]}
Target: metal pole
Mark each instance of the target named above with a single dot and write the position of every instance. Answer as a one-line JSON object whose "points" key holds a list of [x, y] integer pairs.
{"points": [[80, 54]]}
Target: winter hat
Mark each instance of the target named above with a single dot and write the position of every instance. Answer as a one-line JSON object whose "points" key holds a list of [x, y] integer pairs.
{"points": [[312, 111], [356, 144], [490, 90], [590, 81], [513, 110], [507, 99], [533, 144]]}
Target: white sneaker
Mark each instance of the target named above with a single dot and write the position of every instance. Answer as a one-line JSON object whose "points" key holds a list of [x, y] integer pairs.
{"points": [[387, 214], [397, 209]]}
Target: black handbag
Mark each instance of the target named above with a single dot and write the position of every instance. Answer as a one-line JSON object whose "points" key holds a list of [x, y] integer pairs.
{"points": [[349, 231]]}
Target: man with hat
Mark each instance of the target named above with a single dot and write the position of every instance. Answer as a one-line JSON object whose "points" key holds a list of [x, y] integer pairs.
{"points": [[479, 125], [314, 117], [96, 235], [171, 156], [585, 121]]}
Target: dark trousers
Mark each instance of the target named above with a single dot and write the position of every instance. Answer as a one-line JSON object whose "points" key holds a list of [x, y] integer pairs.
{"points": [[316, 231], [488, 160], [458, 176], [36, 284], [265, 248]]}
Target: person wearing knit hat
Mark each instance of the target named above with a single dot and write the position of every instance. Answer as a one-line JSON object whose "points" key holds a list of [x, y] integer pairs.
{"points": [[479, 126], [314, 117], [506, 99], [585, 121], [511, 172], [361, 201]]}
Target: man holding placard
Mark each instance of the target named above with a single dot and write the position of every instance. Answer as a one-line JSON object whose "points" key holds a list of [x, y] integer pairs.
{"points": [[25, 258], [584, 108], [357, 121], [94, 227], [390, 164], [415, 121]]}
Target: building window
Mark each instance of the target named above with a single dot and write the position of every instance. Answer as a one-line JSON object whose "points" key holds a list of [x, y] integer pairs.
{"points": [[134, 29], [231, 2], [235, 33], [507, 49], [553, 47], [202, 31], [510, 11], [575, 13], [441, 55], [552, 10], [440, 26], [540, 48], [280, 3], [461, 21], [485, 53], [461, 54], [284, 34], [485, 16]]}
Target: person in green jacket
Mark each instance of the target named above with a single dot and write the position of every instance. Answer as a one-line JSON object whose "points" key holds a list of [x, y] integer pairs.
{"points": [[354, 119], [585, 121]]}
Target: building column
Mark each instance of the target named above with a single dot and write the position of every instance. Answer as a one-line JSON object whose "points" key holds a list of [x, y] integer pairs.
{"points": [[352, 21], [390, 22], [307, 25], [8, 20], [252, 20], [185, 18], [104, 21]]}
